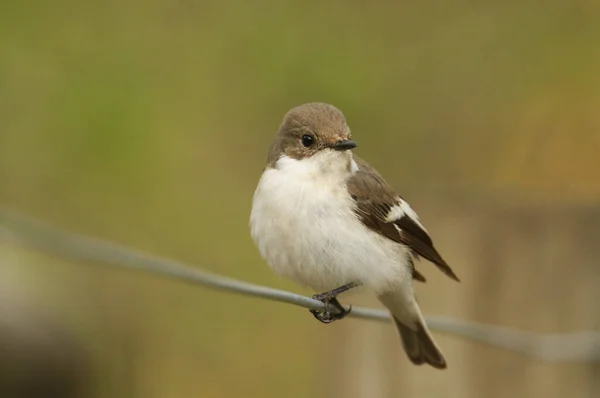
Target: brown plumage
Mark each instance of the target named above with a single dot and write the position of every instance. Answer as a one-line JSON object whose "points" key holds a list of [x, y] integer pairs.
{"points": [[374, 200]]}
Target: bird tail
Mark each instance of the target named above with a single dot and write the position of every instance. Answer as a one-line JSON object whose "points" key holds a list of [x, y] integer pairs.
{"points": [[416, 339]]}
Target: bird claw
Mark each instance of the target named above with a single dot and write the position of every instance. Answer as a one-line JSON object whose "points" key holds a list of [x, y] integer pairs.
{"points": [[326, 315]]}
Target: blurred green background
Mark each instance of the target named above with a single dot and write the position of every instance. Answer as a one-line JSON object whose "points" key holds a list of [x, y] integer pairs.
{"points": [[148, 123]]}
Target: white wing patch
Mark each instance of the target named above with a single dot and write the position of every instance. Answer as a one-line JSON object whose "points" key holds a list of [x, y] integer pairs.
{"points": [[403, 209]]}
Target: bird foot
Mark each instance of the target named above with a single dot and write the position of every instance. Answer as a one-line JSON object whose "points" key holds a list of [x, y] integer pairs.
{"points": [[326, 315], [331, 302]]}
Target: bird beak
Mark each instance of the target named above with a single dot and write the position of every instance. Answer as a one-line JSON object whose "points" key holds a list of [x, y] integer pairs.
{"points": [[344, 145]]}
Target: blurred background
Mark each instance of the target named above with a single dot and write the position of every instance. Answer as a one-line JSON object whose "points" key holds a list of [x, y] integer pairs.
{"points": [[148, 123]]}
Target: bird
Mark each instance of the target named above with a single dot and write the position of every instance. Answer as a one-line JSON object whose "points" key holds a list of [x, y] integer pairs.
{"points": [[328, 220]]}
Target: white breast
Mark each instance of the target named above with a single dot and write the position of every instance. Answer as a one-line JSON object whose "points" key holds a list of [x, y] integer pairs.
{"points": [[304, 225]]}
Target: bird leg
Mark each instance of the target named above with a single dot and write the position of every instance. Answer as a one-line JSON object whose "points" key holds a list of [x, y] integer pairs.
{"points": [[330, 301]]}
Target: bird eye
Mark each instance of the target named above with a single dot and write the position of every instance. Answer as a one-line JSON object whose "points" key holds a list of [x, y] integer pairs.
{"points": [[307, 140]]}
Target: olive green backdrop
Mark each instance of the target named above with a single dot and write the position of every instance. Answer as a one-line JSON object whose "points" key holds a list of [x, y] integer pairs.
{"points": [[148, 122]]}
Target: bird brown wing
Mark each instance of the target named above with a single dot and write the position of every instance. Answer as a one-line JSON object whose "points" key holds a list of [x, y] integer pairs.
{"points": [[385, 212]]}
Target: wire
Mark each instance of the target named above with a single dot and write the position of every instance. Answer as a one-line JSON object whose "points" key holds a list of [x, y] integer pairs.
{"points": [[19, 229]]}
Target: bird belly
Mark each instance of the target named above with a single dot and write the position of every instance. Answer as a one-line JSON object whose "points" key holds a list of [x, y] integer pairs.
{"points": [[307, 230]]}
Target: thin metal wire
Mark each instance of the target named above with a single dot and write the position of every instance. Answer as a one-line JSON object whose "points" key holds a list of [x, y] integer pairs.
{"points": [[581, 346]]}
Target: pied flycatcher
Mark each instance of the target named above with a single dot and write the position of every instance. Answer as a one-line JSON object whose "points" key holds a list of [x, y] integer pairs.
{"points": [[329, 221]]}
